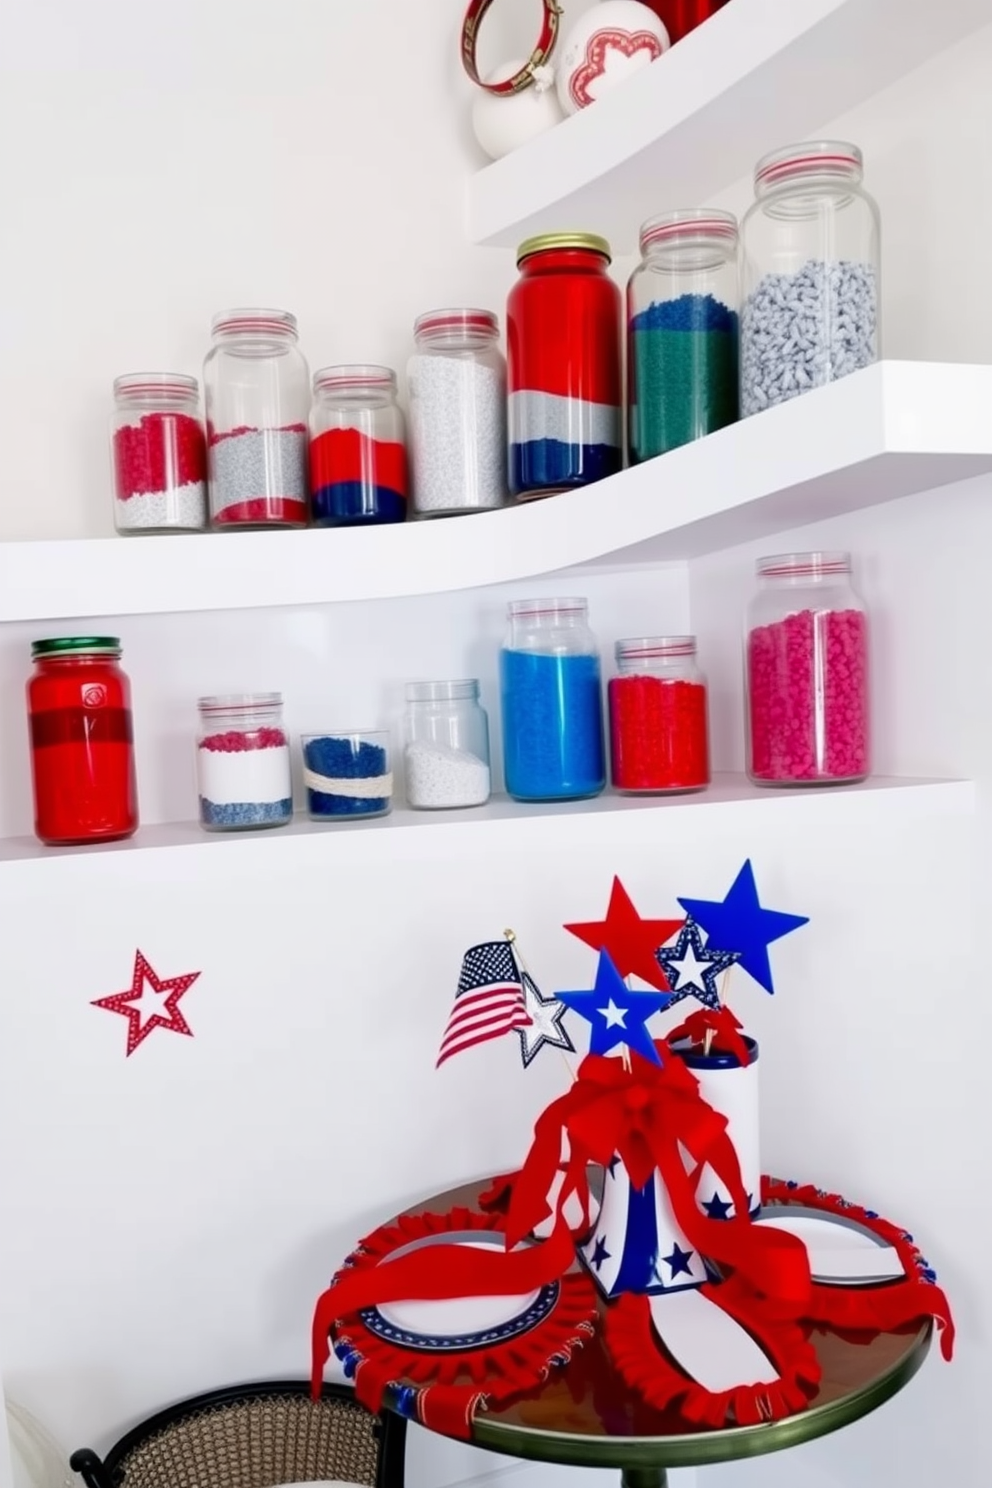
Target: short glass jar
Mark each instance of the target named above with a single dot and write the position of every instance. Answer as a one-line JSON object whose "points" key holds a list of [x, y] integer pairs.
{"points": [[357, 448], [82, 742], [658, 728], [563, 324], [682, 331], [457, 392], [347, 774], [552, 703], [159, 454], [810, 312], [446, 755], [806, 651], [242, 763], [257, 387]]}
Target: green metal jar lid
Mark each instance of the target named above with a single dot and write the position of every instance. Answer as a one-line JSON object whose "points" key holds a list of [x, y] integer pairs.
{"points": [[68, 645], [589, 242]]}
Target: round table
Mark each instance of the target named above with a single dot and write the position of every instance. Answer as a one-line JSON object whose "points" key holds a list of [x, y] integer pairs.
{"points": [[585, 1415]]}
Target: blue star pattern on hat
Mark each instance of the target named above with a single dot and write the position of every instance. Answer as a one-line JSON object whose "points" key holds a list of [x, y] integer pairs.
{"points": [[741, 923], [691, 968], [617, 1015]]}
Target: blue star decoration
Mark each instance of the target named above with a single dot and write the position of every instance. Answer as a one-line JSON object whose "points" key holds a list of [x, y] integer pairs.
{"points": [[678, 1262], [741, 923], [691, 968], [717, 1208], [544, 1029], [617, 1015], [600, 1254]]}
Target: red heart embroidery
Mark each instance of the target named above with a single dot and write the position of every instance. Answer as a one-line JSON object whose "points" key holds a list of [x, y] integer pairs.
{"points": [[594, 65]]}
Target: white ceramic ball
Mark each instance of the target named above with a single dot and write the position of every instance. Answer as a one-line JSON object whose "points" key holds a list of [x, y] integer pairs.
{"points": [[504, 124], [603, 47]]}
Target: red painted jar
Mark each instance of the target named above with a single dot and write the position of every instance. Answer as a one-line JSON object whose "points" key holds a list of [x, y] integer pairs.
{"points": [[679, 17], [563, 321], [658, 731], [82, 750]]}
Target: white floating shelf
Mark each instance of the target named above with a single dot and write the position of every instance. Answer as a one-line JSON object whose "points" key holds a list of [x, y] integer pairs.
{"points": [[889, 431], [730, 801], [758, 74]]}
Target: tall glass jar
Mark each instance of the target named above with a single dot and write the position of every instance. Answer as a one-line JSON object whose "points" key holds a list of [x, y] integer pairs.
{"points": [[658, 729], [257, 388], [563, 320], [242, 763], [457, 389], [806, 650], [552, 703], [682, 331], [357, 448], [82, 741], [159, 454], [811, 303], [446, 756]]}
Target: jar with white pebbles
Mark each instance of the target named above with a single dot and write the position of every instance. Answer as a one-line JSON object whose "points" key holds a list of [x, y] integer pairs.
{"points": [[810, 312], [446, 755], [457, 399]]}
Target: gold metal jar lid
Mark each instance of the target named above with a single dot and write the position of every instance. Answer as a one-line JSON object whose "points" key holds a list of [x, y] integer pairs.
{"points": [[590, 242]]}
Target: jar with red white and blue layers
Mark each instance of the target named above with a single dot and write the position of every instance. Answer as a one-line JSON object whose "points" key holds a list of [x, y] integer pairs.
{"points": [[806, 659], [242, 763], [563, 319]]}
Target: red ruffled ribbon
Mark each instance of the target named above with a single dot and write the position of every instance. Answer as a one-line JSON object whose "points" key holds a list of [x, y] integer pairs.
{"points": [[724, 1031]]}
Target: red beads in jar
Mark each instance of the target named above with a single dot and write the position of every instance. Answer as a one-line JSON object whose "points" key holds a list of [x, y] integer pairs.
{"points": [[659, 737], [82, 750], [807, 673]]}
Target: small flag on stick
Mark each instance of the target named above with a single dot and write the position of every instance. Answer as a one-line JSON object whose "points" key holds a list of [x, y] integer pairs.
{"points": [[489, 1001]]}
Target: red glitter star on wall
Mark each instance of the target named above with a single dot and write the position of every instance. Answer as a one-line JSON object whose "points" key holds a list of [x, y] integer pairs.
{"points": [[149, 1003]]}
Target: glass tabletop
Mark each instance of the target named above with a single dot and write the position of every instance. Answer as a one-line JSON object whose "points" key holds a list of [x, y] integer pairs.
{"points": [[585, 1414]]}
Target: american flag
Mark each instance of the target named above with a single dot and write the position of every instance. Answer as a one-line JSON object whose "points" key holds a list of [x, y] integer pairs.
{"points": [[489, 1001]]}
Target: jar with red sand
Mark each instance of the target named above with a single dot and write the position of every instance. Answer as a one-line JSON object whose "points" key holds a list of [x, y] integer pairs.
{"points": [[82, 749], [160, 456], [257, 387], [357, 448], [242, 763], [658, 729], [807, 673]]}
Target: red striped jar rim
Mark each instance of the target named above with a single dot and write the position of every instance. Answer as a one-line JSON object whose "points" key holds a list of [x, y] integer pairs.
{"points": [[830, 157], [638, 648], [240, 702], [155, 384], [475, 322], [254, 322], [354, 376], [689, 222], [803, 565], [527, 608]]}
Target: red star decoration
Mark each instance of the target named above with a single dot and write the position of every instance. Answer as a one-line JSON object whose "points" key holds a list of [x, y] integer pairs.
{"points": [[629, 941], [143, 993]]}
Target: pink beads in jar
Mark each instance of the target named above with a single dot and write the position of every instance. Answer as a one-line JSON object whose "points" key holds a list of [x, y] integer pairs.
{"points": [[806, 660]]}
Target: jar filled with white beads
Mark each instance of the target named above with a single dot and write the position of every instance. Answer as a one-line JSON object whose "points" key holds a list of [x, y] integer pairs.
{"points": [[457, 398], [810, 313], [446, 758]]}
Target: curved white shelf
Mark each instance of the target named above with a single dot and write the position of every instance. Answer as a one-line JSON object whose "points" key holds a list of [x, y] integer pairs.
{"points": [[891, 430], [758, 74], [729, 804]]}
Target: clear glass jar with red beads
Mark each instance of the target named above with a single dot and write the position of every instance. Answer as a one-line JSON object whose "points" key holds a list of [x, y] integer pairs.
{"points": [[242, 763], [82, 741], [159, 454], [257, 387], [806, 656], [358, 468], [659, 738], [565, 405]]}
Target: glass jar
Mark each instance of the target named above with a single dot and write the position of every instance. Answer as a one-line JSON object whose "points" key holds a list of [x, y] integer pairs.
{"points": [[357, 448], [347, 774], [457, 385], [811, 303], [242, 763], [563, 365], [446, 758], [553, 746], [159, 454], [257, 388], [807, 673], [679, 17], [658, 729], [682, 331], [82, 741]]}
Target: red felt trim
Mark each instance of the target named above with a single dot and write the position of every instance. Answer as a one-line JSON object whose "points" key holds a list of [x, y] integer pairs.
{"points": [[880, 1308], [642, 1361], [453, 1385]]}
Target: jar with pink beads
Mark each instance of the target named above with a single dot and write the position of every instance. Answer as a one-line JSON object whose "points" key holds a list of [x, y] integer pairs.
{"points": [[806, 663]]}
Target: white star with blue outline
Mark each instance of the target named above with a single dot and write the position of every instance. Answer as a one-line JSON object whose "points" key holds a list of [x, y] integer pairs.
{"points": [[691, 969], [545, 1027]]}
